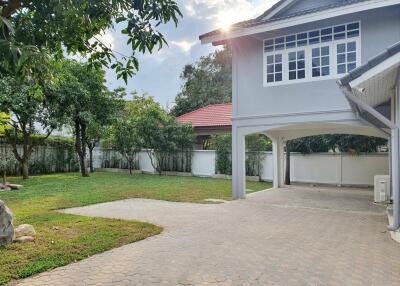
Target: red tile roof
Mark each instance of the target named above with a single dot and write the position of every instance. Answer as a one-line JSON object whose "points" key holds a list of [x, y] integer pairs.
{"points": [[216, 115]]}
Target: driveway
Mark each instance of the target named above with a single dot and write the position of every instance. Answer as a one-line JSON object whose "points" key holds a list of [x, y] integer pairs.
{"points": [[293, 236]]}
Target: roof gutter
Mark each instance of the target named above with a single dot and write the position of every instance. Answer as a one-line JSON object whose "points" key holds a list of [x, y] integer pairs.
{"points": [[355, 101]]}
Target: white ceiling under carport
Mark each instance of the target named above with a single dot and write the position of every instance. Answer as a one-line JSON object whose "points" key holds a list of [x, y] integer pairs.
{"points": [[378, 87]]}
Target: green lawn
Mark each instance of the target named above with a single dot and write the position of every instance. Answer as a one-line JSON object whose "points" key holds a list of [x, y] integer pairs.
{"points": [[63, 238]]}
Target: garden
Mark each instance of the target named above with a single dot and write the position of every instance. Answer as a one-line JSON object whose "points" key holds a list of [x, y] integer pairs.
{"points": [[62, 239]]}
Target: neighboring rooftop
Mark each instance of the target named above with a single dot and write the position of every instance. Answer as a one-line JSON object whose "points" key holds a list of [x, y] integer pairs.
{"points": [[294, 9], [216, 115]]}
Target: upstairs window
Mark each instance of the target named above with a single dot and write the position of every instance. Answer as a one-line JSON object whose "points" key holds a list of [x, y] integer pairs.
{"points": [[346, 57], [297, 65], [319, 54], [274, 68], [320, 61]]}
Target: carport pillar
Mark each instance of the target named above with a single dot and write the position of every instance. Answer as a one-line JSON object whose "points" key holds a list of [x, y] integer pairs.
{"points": [[278, 161], [238, 164]]}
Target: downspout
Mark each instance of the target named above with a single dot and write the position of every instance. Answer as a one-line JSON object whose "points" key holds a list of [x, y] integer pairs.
{"points": [[395, 149]]}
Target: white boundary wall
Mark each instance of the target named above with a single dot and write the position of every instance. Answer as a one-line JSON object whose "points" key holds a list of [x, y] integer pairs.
{"points": [[321, 168], [333, 169]]}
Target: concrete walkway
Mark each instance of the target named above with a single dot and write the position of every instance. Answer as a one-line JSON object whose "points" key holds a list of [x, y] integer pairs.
{"points": [[294, 236]]}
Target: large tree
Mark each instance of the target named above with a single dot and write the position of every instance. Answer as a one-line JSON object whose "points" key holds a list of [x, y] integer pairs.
{"points": [[75, 27], [84, 100], [209, 81], [126, 139], [30, 112], [160, 133]]}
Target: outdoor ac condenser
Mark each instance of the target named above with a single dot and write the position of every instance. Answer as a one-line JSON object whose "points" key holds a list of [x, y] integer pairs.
{"points": [[382, 189]]}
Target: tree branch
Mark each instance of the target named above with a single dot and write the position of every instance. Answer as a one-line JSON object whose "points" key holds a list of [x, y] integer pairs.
{"points": [[11, 8]]}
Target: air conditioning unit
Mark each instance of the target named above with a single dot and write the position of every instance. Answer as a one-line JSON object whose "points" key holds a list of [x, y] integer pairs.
{"points": [[382, 189]]}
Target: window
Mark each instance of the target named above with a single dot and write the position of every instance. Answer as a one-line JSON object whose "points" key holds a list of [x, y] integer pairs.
{"points": [[340, 32], [320, 62], [318, 54], [346, 57], [326, 35], [274, 68], [313, 37], [297, 65]]}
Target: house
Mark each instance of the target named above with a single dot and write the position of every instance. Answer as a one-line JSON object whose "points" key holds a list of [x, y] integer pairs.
{"points": [[308, 67], [207, 121]]}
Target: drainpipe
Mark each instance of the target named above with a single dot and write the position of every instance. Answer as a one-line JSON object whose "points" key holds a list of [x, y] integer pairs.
{"points": [[395, 149]]}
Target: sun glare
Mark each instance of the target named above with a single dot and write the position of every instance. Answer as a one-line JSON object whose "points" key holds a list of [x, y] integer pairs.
{"points": [[225, 21]]}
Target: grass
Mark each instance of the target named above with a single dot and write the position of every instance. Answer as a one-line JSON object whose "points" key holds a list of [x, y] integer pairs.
{"points": [[63, 238]]}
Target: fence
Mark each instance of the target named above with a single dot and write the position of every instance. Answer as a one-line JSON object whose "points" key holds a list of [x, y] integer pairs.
{"points": [[324, 168], [45, 160]]}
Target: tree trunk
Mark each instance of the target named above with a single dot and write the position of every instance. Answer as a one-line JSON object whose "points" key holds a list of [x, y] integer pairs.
{"points": [[82, 162], [25, 169], [91, 158], [80, 146], [4, 177], [287, 170]]}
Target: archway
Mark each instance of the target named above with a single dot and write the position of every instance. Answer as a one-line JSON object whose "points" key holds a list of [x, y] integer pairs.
{"points": [[279, 134]]}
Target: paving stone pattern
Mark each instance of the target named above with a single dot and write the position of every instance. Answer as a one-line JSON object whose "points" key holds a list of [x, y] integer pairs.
{"points": [[292, 236]]}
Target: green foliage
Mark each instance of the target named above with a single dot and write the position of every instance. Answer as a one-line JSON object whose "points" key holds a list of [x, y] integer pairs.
{"points": [[75, 26], [256, 145], [52, 141], [25, 103], [144, 125], [53, 155], [207, 82], [23, 99], [127, 140], [85, 104], [258, 142], [4, 122], [353, 144], [160, 133], [223, 147]]}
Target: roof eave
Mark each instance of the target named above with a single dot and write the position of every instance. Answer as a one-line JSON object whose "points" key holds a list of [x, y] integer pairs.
{"points": [[294, 21]]}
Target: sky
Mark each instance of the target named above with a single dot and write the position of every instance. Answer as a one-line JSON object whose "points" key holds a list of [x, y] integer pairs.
{"points": [[159, 73]]}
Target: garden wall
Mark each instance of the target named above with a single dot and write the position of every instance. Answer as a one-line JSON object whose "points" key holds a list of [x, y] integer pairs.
{"points": [[325, 168], [45, 160]]}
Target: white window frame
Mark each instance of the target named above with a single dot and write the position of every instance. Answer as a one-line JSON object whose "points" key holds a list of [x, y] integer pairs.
{"points": [[308, 58], [280, 52]]}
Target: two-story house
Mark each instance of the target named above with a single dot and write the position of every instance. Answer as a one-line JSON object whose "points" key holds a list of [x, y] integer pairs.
{"points": [[308, 67]]}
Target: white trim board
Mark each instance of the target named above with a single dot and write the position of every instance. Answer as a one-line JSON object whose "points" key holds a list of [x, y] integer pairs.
{"points": [[299, 20], [385, 65]]}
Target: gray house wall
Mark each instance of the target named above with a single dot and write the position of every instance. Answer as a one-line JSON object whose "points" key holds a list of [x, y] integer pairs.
{"points": [[380, 28]]}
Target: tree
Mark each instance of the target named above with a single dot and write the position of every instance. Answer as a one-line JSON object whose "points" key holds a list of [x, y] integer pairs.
{"points": [[160, 133], [209, 81], [95, 131], [127, 139], [5, 157], [83, 100], [29, 110], [74, 27]]}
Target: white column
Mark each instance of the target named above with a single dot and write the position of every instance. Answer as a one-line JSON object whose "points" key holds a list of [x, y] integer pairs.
{"points": [[395, 157], [238, 164], [278, 161]]}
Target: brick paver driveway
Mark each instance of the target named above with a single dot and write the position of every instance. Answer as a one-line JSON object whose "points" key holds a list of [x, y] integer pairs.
{"points": [[295, 236]]}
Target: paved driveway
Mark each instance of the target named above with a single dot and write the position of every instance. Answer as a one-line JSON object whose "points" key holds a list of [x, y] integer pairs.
{"points": [[294, 236]]}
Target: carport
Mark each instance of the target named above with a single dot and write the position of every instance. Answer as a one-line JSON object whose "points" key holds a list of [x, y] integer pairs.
{"points": [[373, 91]]}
